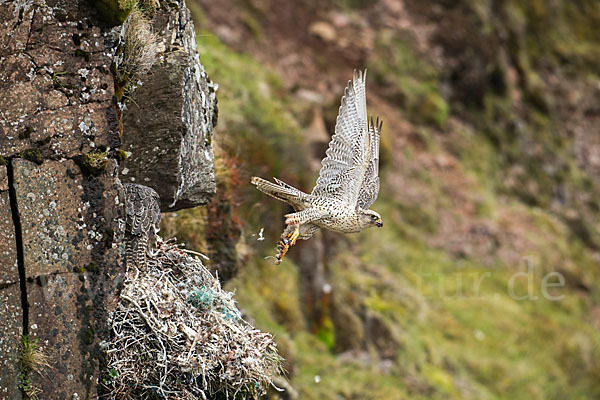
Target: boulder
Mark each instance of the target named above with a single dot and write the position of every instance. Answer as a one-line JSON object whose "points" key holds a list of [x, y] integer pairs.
{"points": [[169, 119]]}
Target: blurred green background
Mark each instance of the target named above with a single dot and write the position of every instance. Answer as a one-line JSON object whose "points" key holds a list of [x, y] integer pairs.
{"points": [[490, 167]]}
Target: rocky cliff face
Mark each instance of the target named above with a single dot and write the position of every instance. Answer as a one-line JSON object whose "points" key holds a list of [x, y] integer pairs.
{"points": [[60, 225], [61, 202]]}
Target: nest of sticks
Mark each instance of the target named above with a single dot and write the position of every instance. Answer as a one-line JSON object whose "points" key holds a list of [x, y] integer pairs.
{"points": [[175, 334]]}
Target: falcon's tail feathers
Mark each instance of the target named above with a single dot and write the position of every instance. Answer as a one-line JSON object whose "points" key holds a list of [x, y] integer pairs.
{"points": [[135, 251], [280, 190]]}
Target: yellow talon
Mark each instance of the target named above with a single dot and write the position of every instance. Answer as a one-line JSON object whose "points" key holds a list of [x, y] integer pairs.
{"points": [[294, 235]]}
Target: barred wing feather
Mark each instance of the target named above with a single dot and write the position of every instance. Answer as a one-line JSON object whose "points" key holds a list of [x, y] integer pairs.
{"points": [[347, 157], [370, 185]]}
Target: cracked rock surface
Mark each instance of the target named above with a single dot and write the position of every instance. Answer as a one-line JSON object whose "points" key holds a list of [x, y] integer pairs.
{"points": [[10, 298], [66, 218], [70, 230], [55, 79]]}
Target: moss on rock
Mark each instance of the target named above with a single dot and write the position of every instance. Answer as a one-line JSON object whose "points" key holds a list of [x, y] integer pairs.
{"points": [[114, 12], [94, 162], [33, 155]]}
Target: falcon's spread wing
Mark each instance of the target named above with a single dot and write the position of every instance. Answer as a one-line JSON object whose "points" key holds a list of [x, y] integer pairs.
{"points": [[370, 184], [348, 155]]}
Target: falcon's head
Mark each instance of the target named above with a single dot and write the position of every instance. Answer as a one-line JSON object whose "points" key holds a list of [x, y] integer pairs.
{"points": [[370, 218]]}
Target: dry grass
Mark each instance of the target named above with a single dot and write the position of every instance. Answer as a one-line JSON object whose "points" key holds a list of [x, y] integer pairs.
{"points": [[177, 334], [33, 360], [139, 50]]}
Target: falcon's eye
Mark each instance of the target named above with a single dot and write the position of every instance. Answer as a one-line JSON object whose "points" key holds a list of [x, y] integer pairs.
{"points": [[374, 217]]}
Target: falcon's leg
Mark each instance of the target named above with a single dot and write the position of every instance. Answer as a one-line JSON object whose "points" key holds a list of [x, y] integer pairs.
{"points": [[296, 220], [306, 231], [291, 234]]}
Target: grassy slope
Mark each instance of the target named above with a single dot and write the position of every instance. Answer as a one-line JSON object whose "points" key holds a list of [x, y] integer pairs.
{"points": [[445, 341]]}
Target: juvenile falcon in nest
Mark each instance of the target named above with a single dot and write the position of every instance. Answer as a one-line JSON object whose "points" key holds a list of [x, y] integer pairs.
{"points": [[142, 223], [348, 182]]}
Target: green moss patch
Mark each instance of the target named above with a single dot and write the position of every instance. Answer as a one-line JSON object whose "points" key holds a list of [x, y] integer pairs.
{"points": [[33, 155], [114, 12], [94, 162]]}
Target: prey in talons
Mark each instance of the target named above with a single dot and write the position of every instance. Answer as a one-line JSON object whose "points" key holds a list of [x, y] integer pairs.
{"points": [[286, 241]]}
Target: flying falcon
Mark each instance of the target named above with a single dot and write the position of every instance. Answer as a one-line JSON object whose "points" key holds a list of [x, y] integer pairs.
{"points": [[142, 223], [348, 182]]}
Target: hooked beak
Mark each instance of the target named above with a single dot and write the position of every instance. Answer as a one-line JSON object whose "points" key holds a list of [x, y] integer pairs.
{"points": [[379, 223]]}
